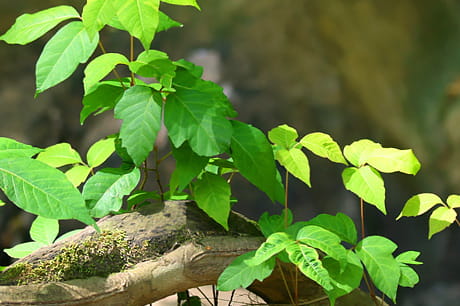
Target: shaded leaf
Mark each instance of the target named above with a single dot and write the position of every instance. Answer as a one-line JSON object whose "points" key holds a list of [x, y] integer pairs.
{"points": [[307, 259], [42, 190], [105, 190], [340, 224], [141, 114], [103, 96], [239, 275], [44, 230], [274, 244], [409, 278], [274, 223], [188, 166], [253, 156], [70, 46], [324, 146], [367, 183], [212, 195], [12, 148], [376, 254], [29, 27], [324, 240], [440, 218]]}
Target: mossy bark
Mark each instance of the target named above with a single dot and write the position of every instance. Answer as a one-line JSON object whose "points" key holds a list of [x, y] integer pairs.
{"points": [[143, 256]]}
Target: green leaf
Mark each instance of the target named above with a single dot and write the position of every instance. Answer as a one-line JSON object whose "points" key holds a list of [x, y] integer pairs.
{"points": [[324, 240], [155, 64], [393, 160], [376, 254], [103, 96], [12, 148], [253, 156], [44, 230], [358, 152], [295, 162], [324, 146], [343, 280], [42, 190], [78, 174], [409, 278], [100, 151], [166, 23], [453, 201], [188, 166], [105, 190], [59, 155], [212, 195], [274, 244], [68, 234], [441, 218], [367, 183], [239, 275], [283, 136], [409, 257], [199, 115], [140, 18], [141, 114], [139, 197], [307, 259], [97, 13], [29, 27], [193, 3], [274, 223], [23, 249], [419, 204], [100, 67], [340, 224], [70, 46]]}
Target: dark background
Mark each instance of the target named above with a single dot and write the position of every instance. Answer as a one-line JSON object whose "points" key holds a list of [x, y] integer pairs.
{"points": [[384, 70]]}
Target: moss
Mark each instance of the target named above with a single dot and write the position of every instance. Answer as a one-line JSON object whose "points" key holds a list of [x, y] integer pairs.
{"points": [[97, 255]]}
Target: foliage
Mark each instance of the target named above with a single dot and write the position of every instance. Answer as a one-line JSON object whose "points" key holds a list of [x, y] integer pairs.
{"points": [[209, 147]]}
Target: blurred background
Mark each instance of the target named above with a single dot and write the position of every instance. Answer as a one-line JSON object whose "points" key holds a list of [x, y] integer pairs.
{"points": [[384, 70]]}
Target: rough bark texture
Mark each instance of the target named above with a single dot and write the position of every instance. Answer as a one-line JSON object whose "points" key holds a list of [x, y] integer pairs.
{"points": [[191, 251]]}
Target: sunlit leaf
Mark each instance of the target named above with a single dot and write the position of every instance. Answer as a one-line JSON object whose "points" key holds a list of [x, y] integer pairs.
{"points": [[453, 201], [100, 151], [166, 23], [376, 254], [441, 218], [324, 240], [100, 67], [283, 136], [408, 278], [97, 13], [59, 155], [367, 183], [41, 189], [324, 146], [44, 230], [295, 162], [70, 46], [419, 204], [212, 195], [393, 160], [239, 275], [29, 27], [78, 174], [358, 152], [193, 3], [253, 156], [23, 249], [409, 257], [140, 110]]}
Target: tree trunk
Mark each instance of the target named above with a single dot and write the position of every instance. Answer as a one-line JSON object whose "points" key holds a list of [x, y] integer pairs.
{"points": [[144, 256]]}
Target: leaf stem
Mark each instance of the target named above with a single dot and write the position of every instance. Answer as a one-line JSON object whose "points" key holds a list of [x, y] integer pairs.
{"points": [[145, 176], [131, 56], [286, 208], [286, 284], [456, 221], [363, 233], [117, 75], [157, 173]]}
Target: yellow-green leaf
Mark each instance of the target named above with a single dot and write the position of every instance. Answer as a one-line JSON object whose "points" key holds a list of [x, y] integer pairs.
{"points": [[440, 218], [419, 204], [296, 162], [324, 146]]}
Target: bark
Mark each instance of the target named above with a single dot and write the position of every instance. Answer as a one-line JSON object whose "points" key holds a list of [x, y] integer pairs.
{"points": [[190, 251]]}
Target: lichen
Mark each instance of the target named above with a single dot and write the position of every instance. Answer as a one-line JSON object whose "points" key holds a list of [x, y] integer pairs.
{"points": [[97, 255]]}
